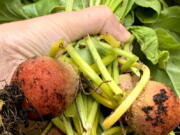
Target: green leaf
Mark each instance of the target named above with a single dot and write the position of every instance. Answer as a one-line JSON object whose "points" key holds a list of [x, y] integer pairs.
{"points": [[86, 55], [14, 10], [129, 19], [147, 39], [170, 75], [173, 71], [147, 11], [80, 4], [166, 39], [39, 8], [169, 19], [163, 59], [124, 9], [11, 10], [160, 76]]}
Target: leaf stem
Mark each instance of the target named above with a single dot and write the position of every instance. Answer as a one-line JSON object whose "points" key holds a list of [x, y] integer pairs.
{"points": [[116, 71], [92, 115], [55, 48], [100, 99], [128, 64], [106, 61], [69, 5], [114, 4], [124, 106], [81, 109], [98, 2], [88, 71], [112, 131], [111, 40], [58, 123], [47, 129], [68, 127], [95, 124], [114, 87]]}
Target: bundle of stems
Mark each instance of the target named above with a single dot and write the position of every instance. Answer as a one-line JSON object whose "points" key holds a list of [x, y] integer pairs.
{"points": [[100, 60], [106, 60]]}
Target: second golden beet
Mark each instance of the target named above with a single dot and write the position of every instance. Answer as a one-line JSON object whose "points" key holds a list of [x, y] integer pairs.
{"points": [[156, 111]]}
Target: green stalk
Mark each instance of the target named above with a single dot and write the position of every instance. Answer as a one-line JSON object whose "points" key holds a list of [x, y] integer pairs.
{"points": [[68, 127], [116, 71], [91, 3], [92, 115], [114, 4], [111, 40], [106, 61], [112, 131], [136, 71], [95, 124], [69, 5], [81, 109], [127, 46], [124, 53], [122, 61], [83, 3], [114, 87], [125, 105], [89, 104], [98, 2], [58, 123], [109, 68], [107, 3], [171, 133], [117, 51], [128, 64], [77, 124], [88, 71], [133, 67], [65, 59], [100, 99], [47, 129], [55, 48]]}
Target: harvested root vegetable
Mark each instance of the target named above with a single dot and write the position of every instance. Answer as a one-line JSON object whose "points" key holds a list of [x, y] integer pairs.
{"points": [[156, 111], [128, 82], [49, 86]]}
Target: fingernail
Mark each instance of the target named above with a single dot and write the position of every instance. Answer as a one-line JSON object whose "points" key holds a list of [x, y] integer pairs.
{"points": [[125, 35]]}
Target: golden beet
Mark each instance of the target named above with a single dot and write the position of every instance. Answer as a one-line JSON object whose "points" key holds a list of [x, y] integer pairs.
{"points": [[49, 86], [156, 111]]}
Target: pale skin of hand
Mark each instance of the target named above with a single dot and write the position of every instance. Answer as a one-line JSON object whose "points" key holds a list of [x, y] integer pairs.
{"points": [[24, 39]]}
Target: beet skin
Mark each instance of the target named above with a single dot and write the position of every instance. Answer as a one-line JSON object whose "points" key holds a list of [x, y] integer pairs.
{"points": [[156, 111], [49, 86]]}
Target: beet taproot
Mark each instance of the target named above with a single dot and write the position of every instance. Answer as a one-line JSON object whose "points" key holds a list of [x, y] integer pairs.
{"points": [[156, 111], [49, 86]]}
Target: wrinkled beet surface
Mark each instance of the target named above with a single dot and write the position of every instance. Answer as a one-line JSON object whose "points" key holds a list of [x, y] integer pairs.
{"points": [[48, 85], [156, 111]]}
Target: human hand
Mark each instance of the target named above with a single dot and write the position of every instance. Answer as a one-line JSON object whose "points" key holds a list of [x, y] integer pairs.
{"points": [[24, 39]]}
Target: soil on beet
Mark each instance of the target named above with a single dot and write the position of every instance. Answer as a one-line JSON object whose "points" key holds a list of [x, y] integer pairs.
{"points": [[13, 113]]}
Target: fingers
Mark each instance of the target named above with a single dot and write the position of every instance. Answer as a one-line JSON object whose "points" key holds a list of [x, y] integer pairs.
{"points": [[92, 20], [113, 27], [33, 37]]}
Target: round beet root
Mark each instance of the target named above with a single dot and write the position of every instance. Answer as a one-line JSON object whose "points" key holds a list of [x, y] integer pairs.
{"points": [[49, 86], [156, 111]]}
